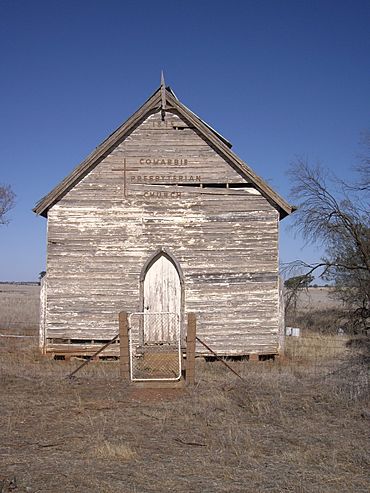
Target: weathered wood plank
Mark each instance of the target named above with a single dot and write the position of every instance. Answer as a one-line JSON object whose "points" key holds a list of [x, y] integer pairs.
{"points": [[101, 233]]}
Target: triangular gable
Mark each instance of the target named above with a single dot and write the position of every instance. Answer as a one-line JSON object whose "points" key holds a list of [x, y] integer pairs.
{"points": [[152, 105]]}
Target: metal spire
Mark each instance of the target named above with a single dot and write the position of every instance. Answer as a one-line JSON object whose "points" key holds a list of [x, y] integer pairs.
{"points": [[163, 95]]}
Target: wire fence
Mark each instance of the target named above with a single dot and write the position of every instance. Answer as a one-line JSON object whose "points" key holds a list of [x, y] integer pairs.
{"points": [[318, 360], [155, 346], [331, 361]]}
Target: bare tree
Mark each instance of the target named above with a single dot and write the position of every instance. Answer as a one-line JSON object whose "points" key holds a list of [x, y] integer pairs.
{"points": [[294, 286], [7, 202], [335, 214]]}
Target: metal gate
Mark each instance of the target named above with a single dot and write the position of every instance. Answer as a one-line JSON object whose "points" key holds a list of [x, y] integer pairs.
{"points": [[155, 346]]}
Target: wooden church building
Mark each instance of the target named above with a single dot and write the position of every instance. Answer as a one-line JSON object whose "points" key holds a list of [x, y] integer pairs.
{"points": [[162, 217]]}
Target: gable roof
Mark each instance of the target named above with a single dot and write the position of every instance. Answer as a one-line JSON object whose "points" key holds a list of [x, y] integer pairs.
{"points": [[152, 105]]}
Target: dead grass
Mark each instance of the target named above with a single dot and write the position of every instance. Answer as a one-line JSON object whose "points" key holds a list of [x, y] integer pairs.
{"points": [[115, 451], [313, 348], [317, 299], [323, 321], [19, 308], [295, 425]]}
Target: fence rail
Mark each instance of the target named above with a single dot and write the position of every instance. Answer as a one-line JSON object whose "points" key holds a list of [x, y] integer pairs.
{"points": [[9, 336]]}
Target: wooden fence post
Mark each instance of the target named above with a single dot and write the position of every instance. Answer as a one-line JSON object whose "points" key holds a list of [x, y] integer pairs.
{"points": [[124, 356], [190, 349]]}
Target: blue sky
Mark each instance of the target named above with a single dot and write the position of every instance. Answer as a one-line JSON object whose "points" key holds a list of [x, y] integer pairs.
{"points": [[277, 78]]}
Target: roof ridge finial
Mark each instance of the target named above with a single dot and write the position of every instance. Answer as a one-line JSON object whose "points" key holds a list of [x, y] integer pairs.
{"points": [[162, 79], [163, 95]]}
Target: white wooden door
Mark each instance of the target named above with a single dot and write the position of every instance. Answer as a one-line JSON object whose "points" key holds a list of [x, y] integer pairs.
{"points": [[162, 294]]}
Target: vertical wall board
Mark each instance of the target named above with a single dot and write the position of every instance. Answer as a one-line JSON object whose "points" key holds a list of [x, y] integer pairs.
{"points": [[157, 190], [43, 301]]}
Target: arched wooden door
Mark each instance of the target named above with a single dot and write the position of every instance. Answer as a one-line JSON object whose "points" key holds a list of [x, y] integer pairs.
{"points": [[162, 294]]}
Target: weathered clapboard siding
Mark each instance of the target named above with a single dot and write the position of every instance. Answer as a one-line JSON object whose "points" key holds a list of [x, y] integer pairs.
{"points": [[225, 241], [170, 184]]}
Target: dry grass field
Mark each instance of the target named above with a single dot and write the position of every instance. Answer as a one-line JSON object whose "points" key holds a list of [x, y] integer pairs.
{"points": [[19, 308], [320, 298], [300, 424]]}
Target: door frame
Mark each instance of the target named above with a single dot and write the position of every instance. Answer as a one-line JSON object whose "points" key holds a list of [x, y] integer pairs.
{"points": [[162, 251]]}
